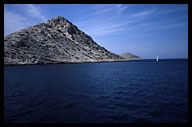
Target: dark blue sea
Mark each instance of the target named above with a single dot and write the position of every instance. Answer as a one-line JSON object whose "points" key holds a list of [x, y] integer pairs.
{"points": [[142, 91]]}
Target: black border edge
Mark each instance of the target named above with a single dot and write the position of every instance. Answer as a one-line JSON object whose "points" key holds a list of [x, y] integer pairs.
{"points": [[98, 1], [101, 124], [189, 63], [2, 65]]}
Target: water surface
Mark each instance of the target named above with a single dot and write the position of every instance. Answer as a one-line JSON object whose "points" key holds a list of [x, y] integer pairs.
{"points": [[142, 91]]}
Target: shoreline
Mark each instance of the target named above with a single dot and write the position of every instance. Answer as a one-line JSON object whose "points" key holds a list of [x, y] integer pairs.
{"points": [[74, 62]]}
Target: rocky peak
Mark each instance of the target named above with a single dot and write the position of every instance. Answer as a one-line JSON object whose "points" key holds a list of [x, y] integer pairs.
{"points": [[63, 26], [58, 19], [57, 40], [59, 22]]}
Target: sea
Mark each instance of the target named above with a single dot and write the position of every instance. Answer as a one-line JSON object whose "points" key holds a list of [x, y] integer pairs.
{"points": [[137, 91]]}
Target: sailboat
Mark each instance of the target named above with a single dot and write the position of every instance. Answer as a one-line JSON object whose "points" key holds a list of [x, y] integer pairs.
{"points": [[157, 59]]}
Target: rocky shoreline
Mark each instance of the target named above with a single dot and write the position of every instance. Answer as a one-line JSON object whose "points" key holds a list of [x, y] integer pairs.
{"points": [[68, 62]]}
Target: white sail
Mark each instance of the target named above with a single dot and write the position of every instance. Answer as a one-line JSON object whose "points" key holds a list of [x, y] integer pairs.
{"points": [[157, 58]]}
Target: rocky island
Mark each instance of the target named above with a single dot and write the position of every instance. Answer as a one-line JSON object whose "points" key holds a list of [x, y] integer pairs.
{"points": [[129, 56], [55, 41]]}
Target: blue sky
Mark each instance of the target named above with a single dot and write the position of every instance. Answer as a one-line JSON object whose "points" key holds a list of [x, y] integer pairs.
{"points": [[146, 30]]}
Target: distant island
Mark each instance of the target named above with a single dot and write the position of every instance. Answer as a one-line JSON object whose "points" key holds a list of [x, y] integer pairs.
{"points": [[130, 56], [56, 41]]}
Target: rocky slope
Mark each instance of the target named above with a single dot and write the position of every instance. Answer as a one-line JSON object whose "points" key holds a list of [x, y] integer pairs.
{"points": [[130, 56], [56, 41]]}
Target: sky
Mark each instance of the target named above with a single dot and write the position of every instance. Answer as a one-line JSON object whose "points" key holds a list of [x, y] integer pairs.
{"points": [[146, 30]]}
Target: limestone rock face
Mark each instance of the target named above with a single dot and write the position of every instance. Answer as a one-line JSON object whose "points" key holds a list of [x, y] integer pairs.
{"points": [[56, 41], [129, 56]]}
